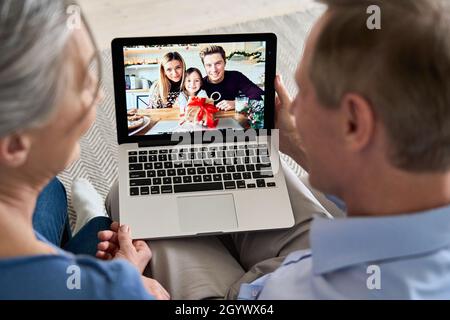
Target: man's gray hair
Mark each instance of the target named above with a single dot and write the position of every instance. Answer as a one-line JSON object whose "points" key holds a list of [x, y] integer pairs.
{"points": [[33, 37]]}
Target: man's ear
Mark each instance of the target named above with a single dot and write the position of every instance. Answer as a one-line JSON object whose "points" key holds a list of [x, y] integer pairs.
{"points": [[359, 121], [14, 149]]}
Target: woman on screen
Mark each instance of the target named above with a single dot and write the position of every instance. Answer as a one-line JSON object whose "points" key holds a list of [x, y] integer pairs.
{"points": [[165, 91]]}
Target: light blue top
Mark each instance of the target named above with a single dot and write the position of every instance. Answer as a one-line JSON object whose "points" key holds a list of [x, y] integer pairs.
{"points": [[396, 257], [43, 277]]}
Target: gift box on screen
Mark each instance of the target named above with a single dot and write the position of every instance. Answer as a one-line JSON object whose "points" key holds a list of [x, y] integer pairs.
{"points": [[202, 111]]}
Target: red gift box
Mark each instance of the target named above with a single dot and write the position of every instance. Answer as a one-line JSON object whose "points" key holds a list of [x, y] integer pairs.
{"points": [[202, 110]]}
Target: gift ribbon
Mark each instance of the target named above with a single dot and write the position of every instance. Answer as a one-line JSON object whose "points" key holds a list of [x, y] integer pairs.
{"points": [[205, 108]]}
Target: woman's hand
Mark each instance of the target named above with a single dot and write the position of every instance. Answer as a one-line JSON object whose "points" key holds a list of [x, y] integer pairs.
{"points": [[117, 243], [155, 289]]}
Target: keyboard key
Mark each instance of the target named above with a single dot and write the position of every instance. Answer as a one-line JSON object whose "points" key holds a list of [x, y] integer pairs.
{"points": [[178, 164], [145, 191], [208, 162], [265, 159], [140, 182], [231, 169], [177, 180], [181, 172], [251, 185], [142, 153], [154, 190], [161, 173], [262, 166], [250, 167], [260, 183], [166, 189], [134, 191], [167, 180], [142, 158], [240, 168], [197, 163], [187, 164], [201, 170], [217, 177], [207, 178], [241, 184], [262, 174], [240, 153], [163, 151], [187, 179], [137, 174], [132, 153], [152, 158], [152, 151], [135, 167], [220, 169], [229, 185], [151, 174], [132, 159], [193, 187], [168, 165], [157, 181], [162, 157], [217, 162], [226, 176], [171, 172], [237, 176], [191, 171], [148, 166], [158, 165], [271, 184], [211, 170], [197, 178], [246, 175]]}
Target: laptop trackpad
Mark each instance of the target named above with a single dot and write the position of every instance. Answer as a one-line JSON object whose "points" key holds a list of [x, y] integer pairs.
{"points": [[207, 213]]}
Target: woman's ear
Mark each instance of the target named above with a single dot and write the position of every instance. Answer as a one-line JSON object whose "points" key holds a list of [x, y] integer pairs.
{"points": [[359, 119], [14, 149]]}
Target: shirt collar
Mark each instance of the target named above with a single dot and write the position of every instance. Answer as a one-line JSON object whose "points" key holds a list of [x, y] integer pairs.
{"points": [[344, 242]]}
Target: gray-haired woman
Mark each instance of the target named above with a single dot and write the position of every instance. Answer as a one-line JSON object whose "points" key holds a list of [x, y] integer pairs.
{"points": [[49, 89]]}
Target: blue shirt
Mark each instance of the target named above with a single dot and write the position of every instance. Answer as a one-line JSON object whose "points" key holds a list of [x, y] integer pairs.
{"points": [[66, 276], [395, 257]]}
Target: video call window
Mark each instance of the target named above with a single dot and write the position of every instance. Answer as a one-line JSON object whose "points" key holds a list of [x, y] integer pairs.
{"points": [[189, 87]]}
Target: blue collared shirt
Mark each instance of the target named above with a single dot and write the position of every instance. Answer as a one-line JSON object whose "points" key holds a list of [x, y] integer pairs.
{"points": [[395, 257]]}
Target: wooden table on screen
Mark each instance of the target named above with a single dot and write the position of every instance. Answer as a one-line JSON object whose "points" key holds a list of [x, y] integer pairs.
{"points": [[157, 115]]}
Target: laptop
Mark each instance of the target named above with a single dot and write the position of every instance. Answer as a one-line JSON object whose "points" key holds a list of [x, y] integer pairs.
{"points": [[215, 171]]}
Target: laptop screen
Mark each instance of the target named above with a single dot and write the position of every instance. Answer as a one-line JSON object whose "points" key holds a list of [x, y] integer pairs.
{"points": [[194, 86]]}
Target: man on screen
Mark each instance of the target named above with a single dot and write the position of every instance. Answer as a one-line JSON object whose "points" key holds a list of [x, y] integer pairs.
{"points": [[224, 86]]}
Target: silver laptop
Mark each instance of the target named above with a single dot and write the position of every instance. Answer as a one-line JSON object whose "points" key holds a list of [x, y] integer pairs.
{"points": [[215, 172]]}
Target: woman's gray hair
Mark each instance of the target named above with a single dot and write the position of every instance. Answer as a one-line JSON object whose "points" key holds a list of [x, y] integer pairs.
{"points": [[33, 37]]}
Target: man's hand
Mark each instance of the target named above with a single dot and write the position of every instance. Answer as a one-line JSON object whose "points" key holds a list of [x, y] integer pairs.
{"points": [[290, 141], [226, 105], [155, 288], [117, 243]]}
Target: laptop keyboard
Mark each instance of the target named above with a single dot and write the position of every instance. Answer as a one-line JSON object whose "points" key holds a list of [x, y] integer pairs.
{"points": [[190, 169]]}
